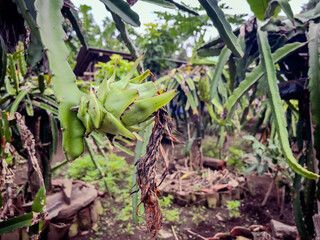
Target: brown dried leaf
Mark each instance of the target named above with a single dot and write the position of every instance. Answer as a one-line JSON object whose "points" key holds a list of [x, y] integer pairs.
{"points": [[146, 172]]}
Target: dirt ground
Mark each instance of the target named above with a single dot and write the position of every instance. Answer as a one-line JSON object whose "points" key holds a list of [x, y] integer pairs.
{"points": [[192, 220], [197, 219]]}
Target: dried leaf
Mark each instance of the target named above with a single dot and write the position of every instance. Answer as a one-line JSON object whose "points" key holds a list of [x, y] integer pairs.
{"points": [[146, 172]]}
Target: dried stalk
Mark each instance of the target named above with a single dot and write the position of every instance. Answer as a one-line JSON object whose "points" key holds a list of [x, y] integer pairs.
{"points": [[146, 173], [28, 142]]}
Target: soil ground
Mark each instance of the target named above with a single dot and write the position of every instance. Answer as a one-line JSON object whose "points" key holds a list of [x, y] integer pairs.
{"points": [[198, 219], [201, 220]]}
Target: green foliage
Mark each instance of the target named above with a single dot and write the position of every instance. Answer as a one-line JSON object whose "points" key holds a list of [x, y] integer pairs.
{"points": [[105, 36], [114, 167], [170, 214], [107, 69], [233, 208], [273, 8], [311, 4], [159, 45], [234, 158], [265, 155], [198, 214], [166, 201], [197, 218], [16, 223], [29, 218], [185, 27], [210, 149]]}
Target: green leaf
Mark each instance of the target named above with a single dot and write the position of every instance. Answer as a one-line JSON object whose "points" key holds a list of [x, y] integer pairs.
{"points": [[285, 6], [39, 201], [123, 148], [38, 206], [190, 83], [297, 205], [191, 101], [101, 140], [257, 73], [123, 10], [46, 107], [13, 72], [16, 102], [16, 223], [29, 109], [223, 26], [258, 7], [35, 49], [276, 105], [314, 82], [9, 88], [6, 127]]}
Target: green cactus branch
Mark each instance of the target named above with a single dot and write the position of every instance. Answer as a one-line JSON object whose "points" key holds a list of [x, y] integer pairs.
{"points": [[125, 36], [49, 19], [27, 14]]}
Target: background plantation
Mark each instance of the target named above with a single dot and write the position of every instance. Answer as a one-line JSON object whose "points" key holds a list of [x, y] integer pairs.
{"points": [[160, 133]]}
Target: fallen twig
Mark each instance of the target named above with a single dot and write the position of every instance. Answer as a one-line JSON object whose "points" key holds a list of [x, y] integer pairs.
{"points": [[174, 233]]}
